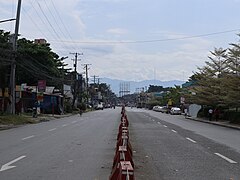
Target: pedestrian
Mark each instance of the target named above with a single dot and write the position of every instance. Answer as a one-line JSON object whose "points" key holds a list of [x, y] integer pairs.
{"points": [[210, 113], [80, 111], [185, 112], [216, 114]]}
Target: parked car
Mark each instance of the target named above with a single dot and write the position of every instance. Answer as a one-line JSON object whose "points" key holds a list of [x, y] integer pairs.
{"points": [[99, 106], [164, 109], [175, 110], [156, 108]]}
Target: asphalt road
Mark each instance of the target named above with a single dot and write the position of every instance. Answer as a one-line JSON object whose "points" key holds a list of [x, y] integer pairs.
{"points": [[82, 148], [70, 148], [174, 148]]}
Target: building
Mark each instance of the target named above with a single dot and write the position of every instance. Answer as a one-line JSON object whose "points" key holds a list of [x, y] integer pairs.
{"points": [[40, 41]]}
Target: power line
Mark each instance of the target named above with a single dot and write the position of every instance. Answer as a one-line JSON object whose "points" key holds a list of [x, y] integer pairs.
{"points": [[57, 24], [54, 33], [48, 21], [59, 17], [151, 41], [54, 19]]}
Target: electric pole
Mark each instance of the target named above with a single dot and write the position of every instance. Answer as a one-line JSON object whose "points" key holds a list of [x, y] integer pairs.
{"points": [[75, 77], [94, 79], [86, 67], [13, 64]]}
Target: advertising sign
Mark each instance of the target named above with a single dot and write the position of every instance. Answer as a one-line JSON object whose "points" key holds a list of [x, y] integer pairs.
{"points": [[41, 85]]}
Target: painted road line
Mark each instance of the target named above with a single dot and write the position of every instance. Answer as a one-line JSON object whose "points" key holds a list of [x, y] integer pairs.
{"points": [[153, 120], [29, 137], [64, 125], [174, 131], [158, 122], [8, 165], [52, 129], [164, 125], [227, 159], [191, 140]]}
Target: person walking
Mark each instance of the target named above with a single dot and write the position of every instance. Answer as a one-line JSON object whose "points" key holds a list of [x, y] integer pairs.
{"points": [[210, 113], [80, 111], [185, 112]]}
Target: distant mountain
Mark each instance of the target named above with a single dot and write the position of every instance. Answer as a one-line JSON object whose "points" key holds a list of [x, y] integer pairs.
{"points": [[115, 84]]}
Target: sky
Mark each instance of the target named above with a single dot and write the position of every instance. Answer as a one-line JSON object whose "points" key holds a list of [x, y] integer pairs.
{"points": [[130, 39]]}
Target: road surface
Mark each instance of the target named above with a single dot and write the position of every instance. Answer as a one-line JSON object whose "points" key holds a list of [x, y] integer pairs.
{"points": [[164, 147], [64, 149], [172, 147]]}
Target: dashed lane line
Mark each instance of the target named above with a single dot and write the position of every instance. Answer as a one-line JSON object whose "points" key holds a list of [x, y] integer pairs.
{"points": [[225, 158], [174, 131], [191, 140], [52, 129], [165, 126], [64, 125], [158, 122], [29, 137]]}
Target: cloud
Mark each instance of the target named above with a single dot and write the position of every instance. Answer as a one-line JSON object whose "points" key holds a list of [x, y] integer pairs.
{"points": [[117, 31], [129, 64]]}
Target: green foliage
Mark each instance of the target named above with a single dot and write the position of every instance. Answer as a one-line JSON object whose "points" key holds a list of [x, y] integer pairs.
{"points": [[15, 120], [37, 61], [218, 82], [33, 62], [153, 88], [67, 107]]}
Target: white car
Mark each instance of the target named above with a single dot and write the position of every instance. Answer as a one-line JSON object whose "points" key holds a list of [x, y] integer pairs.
{"points": [[157, 108], [99, 106], [175, 110]]}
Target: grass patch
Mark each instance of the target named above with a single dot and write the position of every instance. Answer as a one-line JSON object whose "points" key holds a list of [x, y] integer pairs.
{"points": [[15, 120]]}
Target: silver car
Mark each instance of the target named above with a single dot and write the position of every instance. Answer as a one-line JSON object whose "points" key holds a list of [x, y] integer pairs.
{"points": [[175, 110]]}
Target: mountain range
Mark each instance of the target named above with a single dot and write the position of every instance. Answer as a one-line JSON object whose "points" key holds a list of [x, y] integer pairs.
{"points": [[135, 85]]}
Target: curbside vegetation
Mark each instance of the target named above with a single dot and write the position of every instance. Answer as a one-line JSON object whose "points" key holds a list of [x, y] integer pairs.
{"points": [[15, 120]]}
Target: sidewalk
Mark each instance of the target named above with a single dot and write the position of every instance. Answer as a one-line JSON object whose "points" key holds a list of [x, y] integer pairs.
{"points": [[219, 123]]}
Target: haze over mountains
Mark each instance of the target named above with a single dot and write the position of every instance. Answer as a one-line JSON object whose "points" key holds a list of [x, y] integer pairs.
{"points": [[115, 84]]}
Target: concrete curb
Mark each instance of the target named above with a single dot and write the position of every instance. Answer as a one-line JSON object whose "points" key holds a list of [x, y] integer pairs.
{"points": [[215, 123]]}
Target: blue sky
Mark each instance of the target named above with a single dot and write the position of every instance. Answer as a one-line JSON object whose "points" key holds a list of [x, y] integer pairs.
{"points": [[102, 30]]}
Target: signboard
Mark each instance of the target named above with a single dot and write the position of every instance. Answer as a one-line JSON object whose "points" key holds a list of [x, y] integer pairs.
{"points": [[40, 96], [41, 85], [182, 100]]}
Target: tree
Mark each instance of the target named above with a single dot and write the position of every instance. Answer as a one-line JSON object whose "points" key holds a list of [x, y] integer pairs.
{"points": [[33, 62], [38, 61], [5, 64], [210, 89]]}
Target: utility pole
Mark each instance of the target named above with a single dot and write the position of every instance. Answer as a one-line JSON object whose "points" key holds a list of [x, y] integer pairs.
{"points": [[94, 79], [86, 67], [13, 64], [75, 77]]}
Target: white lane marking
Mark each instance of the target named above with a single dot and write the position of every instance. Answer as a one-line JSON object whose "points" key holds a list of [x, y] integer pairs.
{"points": [[164, 125], [64, 125], [74, 122], [227, 159], [158, 122], [52, 129], [28, 137], [191, 140], [174, 131], [7, 165], [153, 120]]}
